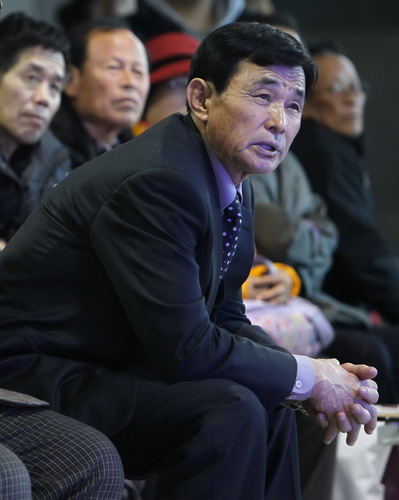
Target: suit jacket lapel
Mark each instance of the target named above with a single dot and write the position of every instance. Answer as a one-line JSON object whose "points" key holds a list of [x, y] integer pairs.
{"points": [[206, 177]]}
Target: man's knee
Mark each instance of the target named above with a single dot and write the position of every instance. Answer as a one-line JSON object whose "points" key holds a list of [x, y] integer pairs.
{"points": [[85, 457], [101, 453], [239, 408]]}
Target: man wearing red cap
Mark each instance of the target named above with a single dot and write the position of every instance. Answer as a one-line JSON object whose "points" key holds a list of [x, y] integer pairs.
{"points": [[170, 57]]}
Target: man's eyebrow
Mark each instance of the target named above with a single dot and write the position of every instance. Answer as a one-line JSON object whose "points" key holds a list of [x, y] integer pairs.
{"points": [[268, 81], [42, 69], [35, 67], [300, 92]]}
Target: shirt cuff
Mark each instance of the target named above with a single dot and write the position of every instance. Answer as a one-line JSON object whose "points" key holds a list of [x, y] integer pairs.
{"points": [[305, 378]]}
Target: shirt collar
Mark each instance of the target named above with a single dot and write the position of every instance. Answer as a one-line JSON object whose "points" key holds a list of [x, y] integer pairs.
{"points": [[102, 147], [227, 189]]}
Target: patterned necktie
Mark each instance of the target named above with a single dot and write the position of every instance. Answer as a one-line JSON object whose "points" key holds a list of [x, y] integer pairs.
{"points": [[231, 226]]}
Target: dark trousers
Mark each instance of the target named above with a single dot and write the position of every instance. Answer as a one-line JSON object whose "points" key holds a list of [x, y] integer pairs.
{"points": [[210, 439]]}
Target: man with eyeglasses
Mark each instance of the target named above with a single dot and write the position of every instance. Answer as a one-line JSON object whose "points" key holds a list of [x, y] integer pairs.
{"points": [[338, 98], [330, 147]]}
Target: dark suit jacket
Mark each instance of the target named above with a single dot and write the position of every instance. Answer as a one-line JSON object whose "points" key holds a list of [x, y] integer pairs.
{"points": [[117, 271]]}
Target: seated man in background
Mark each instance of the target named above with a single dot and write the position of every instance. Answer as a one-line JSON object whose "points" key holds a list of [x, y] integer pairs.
{"points": [[33, 57], [364, 273], [44, 455], [139, 319], [106, 90], [330, 146]]}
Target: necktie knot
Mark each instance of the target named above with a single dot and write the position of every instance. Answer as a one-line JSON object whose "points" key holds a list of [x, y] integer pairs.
{"points": [[233, 211]]}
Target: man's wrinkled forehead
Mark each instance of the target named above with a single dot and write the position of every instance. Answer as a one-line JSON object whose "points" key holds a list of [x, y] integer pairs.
{"points": [[274, 76], [289, 75]]}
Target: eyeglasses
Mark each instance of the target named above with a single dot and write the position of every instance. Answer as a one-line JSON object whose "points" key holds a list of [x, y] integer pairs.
{"points": [[339, 89]]}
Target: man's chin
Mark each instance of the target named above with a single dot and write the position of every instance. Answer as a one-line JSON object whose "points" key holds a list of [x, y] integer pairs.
{"points": [[265, 168], [126, 121], [264, 165], [32, 137]]}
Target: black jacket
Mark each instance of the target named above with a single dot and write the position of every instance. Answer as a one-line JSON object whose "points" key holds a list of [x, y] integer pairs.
{"points": [[364, 271], [35, 170], [69, 129]]}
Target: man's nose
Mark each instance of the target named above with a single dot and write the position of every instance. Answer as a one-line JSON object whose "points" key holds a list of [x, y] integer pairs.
{"points": [[276, 119], [353, 97], [128, 79], [42, 93]]}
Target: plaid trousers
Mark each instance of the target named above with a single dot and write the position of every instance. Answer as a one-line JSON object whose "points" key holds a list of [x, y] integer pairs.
{"points": [[48, 456]]}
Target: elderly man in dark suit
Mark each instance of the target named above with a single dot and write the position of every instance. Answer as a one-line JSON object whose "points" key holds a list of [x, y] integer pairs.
{"points": [[120, 298]]}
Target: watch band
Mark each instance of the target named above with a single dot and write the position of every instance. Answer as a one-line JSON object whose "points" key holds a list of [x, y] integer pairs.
{"points": [[298, 406]]}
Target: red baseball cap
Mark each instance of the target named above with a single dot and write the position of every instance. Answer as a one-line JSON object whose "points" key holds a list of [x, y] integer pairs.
{"points": [[170, 55]]}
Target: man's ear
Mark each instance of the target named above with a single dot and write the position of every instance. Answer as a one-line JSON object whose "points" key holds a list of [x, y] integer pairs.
{"points": [[72, 84], [198, 93]]}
